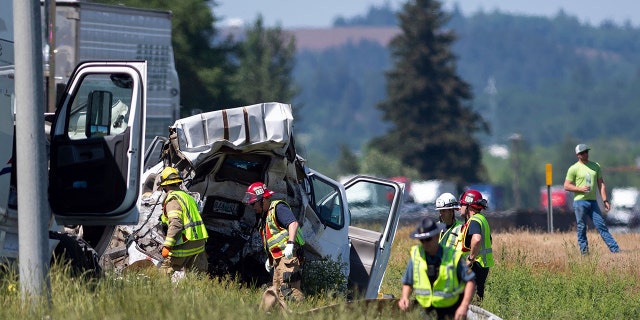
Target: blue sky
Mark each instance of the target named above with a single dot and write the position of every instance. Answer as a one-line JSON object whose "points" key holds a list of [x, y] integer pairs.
{"points": [[320, 13]]}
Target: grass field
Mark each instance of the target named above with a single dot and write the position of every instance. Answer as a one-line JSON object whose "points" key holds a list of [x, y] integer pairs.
{"points": [[537, 276]]}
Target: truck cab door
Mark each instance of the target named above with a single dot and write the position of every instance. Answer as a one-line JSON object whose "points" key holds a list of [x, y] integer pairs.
{"points": [[97, 145], [374, 211]]}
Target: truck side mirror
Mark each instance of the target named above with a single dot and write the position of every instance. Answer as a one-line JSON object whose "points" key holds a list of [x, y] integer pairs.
{"points": [[98, 113]]}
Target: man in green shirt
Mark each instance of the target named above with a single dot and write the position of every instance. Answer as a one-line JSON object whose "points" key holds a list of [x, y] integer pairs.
{"points": [[584, 179]]}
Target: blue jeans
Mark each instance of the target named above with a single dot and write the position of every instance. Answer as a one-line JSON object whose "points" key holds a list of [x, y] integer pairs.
{"points": [[590, 208]]}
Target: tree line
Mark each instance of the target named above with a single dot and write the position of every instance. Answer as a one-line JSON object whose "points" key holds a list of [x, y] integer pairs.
{"points": [[387, 111], [551, 82]]}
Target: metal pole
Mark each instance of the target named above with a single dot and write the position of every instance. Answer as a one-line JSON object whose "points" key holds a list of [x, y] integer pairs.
{"points": [[51, 39], [515, 140], [549, 210], [550, 217], [549, 178], [31, 164]]}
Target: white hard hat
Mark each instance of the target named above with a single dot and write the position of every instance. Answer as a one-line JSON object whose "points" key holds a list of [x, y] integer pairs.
{"points": [[447, 201]]}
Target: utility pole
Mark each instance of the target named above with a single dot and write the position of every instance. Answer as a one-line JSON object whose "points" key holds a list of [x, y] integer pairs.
{"points": [[31, 164], [50, 22], [515, 142], [492, 91]]}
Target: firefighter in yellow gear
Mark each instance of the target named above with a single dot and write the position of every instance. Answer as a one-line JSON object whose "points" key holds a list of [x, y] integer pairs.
{"points": [[442, 283], [184, 243]]}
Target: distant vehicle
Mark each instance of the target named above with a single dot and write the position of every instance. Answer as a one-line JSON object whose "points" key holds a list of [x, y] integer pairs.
{"points": [[560, 199], [426, 192], [220, 154], [623, 206], [408, 197]]}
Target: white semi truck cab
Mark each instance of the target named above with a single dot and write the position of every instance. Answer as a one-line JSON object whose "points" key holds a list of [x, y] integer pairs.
{"points": [[95, 144], [95, 138]]}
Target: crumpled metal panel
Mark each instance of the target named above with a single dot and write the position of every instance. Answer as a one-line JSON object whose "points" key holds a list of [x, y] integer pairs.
{"points": [[264, 126]]}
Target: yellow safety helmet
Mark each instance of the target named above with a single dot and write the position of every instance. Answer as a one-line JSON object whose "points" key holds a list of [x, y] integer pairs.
{"points": [[170, 175]]}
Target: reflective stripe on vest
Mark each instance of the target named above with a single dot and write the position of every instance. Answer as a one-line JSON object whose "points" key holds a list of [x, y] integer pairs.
{"points": [[446, 288], [192, 225], [449, 237], [275, 237], [485, 255], [180, 252]]}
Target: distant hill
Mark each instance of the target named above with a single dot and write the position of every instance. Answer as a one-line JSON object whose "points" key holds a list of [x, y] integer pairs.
{"points": [[547, 79], [319, 39], [554, 78], [326, 38]]}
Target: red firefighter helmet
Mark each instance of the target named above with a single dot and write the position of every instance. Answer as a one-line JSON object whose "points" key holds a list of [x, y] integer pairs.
{"points": [[473, 198], [256, 192]]}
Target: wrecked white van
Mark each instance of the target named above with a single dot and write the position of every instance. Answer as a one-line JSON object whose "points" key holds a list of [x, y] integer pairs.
{"points": [[220, 154]]}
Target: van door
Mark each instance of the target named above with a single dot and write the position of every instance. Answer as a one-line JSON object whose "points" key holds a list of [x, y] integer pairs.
{"points": [[97, 145], [374, 211]]}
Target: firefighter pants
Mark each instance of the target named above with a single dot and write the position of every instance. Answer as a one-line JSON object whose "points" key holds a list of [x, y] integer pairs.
{"points": [[287, 278], [197, 262]]}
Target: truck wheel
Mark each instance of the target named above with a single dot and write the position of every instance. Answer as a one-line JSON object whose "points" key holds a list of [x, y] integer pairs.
{"points": [[80, 256]]}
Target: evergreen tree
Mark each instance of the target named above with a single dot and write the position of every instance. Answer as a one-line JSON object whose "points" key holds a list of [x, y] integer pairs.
{"points": [[348, 161], [433, 128], [267, 58]]}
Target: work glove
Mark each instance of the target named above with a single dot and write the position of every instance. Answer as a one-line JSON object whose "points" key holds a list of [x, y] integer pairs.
{"points": [[165, 252], [268, 266], [288, 251]]}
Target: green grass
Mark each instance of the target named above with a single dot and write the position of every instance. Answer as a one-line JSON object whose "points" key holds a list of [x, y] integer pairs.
{"points": [[584, 292], [522, 285], [542, 276], [151, 295]]}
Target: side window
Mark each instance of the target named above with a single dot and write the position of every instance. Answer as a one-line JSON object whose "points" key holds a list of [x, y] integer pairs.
{"points": [[100, 108], [370, 204], [328, 204]]}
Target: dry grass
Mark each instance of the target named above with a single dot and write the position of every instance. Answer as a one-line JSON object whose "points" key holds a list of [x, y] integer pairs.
{"points": [[555, 252]]}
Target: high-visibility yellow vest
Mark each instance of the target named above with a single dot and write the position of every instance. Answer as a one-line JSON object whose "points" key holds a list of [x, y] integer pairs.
{"points": [[449, 237], [274, 236], [485, 255], [447, 288], [193, 227]]}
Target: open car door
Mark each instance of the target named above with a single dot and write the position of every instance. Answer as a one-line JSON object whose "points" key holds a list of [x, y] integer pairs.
{"points": [[374, 211], [97, 144]]}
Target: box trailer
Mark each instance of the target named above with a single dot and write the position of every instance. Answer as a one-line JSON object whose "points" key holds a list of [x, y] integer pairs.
{"points": [[91, 31]]}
